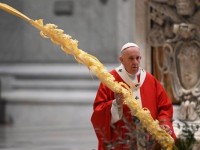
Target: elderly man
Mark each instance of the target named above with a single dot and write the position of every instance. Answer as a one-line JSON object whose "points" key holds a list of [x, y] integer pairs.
{"points": [[115, 127]]}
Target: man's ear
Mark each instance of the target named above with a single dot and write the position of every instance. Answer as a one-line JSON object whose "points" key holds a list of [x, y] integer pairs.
{"points": [[121, 59]]}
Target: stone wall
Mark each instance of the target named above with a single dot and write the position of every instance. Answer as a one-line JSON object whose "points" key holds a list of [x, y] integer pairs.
{"points": [[101, 29]]}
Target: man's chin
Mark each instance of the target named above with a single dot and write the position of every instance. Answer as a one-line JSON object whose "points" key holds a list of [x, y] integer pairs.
{"points": [[135, 69], [134, 72]]}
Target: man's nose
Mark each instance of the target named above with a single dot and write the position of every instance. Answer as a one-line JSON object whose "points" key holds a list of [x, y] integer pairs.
{"points": [[135, 60]]}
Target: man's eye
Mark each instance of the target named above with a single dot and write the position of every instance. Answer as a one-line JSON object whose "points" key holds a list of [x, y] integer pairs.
{"points": [[138, 57]]}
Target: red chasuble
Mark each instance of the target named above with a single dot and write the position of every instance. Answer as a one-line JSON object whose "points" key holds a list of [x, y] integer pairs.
{"points": [[153, 97]]}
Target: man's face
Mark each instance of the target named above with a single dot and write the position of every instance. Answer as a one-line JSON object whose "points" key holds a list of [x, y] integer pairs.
{"points": [[130, 58]]}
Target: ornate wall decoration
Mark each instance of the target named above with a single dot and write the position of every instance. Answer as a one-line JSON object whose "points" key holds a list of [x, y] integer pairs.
{"points": [[175, 39]]}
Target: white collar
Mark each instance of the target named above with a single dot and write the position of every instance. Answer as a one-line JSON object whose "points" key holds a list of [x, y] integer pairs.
{"points": [[133, 83], [125, 76]]}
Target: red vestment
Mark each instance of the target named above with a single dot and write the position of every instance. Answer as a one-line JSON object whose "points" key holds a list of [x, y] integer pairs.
{"points": [[153, 97]]}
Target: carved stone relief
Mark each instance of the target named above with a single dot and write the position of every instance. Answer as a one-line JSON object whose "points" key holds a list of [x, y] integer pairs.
{"points": [[175, 27]]}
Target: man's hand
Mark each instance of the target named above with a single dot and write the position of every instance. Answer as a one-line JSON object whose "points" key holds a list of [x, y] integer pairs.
{"points": [[119, 99], [166, 128]]}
